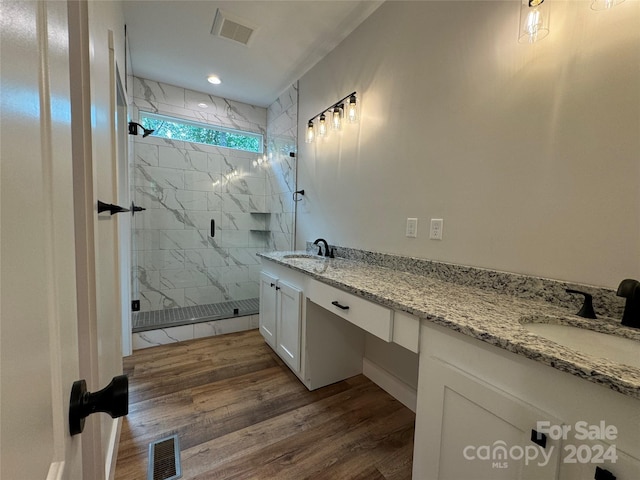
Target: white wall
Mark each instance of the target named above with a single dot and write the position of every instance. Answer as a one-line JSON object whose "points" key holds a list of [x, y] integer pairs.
{"points": [[530, 153]]}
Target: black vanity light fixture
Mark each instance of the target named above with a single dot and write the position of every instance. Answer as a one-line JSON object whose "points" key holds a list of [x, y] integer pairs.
{"points": [[133, 129], [344, 109]]}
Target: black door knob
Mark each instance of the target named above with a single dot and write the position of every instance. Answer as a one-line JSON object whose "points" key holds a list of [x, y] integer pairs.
{"points": [[112, 399]]}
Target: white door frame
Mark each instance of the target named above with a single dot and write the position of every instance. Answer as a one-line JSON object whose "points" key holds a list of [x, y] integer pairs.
{"points": [[84, 211], [124, 221]]}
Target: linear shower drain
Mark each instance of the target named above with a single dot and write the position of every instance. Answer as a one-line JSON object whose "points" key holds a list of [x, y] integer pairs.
{"points": [[164, 459]]}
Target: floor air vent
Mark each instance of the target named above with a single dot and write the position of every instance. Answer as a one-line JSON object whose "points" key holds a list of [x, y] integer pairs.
{"points": [[164, 459]]}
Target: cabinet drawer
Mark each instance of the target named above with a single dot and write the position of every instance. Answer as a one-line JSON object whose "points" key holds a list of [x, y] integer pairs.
{"points": [[367, 315]]}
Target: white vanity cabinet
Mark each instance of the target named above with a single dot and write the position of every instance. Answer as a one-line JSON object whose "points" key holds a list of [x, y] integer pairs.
{"points": [[318, 346], [281, 318], [478, 404]]}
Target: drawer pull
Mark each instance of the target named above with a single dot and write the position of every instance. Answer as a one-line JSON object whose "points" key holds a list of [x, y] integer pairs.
{"points": [[341, 307]]}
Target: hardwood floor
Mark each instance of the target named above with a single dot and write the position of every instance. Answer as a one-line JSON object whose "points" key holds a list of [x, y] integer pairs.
{"points": [[240, 413]]}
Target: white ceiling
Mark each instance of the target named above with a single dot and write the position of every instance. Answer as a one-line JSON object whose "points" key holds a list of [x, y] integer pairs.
{"points": [[171, 42]]}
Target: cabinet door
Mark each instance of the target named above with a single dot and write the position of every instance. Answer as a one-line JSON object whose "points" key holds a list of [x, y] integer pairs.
{"points": [[289, 318], [268, 284], [469, 430]]}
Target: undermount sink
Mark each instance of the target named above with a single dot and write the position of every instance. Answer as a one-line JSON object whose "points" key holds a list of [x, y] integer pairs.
{"points": [[589, 342], [309, 262], [306, 256]]}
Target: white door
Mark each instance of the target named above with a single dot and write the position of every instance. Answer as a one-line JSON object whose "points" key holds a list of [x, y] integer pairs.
{"points": [[39, 340], [50, 332]]}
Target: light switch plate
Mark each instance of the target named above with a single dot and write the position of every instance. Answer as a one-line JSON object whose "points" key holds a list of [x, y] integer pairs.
{"points": [[435, 233], [412, 227]]}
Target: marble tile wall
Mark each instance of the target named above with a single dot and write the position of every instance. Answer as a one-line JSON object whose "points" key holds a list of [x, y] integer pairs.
{"points": [[164, 336], [184, 186], [282, 120]]}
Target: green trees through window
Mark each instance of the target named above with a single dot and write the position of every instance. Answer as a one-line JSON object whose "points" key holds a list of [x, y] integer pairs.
{"points": [[177, 129]]}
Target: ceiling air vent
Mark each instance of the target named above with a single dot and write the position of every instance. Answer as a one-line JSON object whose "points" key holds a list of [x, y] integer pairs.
{"points": [[232, 27]]}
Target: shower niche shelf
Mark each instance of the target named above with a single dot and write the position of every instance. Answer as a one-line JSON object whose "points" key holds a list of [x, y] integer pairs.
{"points": [[260, 229]]}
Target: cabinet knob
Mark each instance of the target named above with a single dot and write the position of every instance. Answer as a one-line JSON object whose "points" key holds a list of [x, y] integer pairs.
{"points": [[602, 474], [539, 438]]}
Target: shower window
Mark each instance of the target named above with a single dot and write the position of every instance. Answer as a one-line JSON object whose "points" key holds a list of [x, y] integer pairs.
{"points": [[178, 129]]}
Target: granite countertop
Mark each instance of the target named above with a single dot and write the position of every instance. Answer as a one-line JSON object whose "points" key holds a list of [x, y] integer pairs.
{"points": [[489, 316]]}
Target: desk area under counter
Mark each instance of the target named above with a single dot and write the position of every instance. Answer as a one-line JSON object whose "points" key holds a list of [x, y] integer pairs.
{"points": [[330, 334], [356, 317]]}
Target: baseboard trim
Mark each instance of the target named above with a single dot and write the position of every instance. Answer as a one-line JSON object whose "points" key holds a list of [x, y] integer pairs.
{"points": [[399, 390], [112, 449]]}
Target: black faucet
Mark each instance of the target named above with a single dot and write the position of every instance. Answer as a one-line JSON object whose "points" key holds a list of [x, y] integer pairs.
{"points": [[630, 289], [327, 252]]}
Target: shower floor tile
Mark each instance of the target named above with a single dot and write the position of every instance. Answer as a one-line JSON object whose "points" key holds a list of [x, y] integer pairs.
{"points": [[174, 317]]}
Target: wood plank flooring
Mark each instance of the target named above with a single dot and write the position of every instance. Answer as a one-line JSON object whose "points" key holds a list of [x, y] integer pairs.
{"points": [[240, 413]]}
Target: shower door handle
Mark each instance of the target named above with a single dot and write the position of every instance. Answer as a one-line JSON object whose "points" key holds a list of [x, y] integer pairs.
{"points": [[111, 208], [135, 208], [213, 228]]}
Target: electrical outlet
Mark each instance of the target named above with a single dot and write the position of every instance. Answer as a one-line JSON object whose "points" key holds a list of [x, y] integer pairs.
{"points": [[436, 229], [412, 227]]}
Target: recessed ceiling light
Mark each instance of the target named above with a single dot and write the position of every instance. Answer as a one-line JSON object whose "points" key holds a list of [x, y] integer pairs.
{"points": [[203, 105], [214, 79]]}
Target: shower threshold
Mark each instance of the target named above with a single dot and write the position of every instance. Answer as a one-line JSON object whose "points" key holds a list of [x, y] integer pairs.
{"points": [[175, 317]]}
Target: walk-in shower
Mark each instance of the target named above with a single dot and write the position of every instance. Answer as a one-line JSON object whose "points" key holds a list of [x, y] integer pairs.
{"points": [[209, 208]]}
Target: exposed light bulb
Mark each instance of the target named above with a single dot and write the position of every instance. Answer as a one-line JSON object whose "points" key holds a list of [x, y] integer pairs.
{"points": [[352, 110], [322, 126], [310, 133], [534, 21], [336, 118]]}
